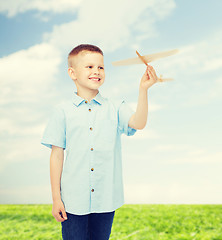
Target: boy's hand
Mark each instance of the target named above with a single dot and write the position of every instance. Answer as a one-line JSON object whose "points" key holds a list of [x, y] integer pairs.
{"points": [[149, 78], [58, 211]]}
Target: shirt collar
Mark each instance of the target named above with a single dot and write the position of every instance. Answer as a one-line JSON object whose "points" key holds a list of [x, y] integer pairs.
{"points": [[77, 100]]}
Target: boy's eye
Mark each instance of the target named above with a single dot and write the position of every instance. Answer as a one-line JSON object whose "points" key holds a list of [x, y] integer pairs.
{"points": [[101, 67], [89, 66]]}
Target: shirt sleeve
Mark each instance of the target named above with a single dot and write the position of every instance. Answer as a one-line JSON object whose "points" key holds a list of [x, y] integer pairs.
{"points": [[124, 114], [55, 131]]}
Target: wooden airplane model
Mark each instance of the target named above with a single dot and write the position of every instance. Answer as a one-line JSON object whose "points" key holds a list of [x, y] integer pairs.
{"points": [[146, 59]]}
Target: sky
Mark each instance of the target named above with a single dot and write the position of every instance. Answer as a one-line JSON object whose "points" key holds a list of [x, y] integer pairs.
{"points": [[177, 157]]}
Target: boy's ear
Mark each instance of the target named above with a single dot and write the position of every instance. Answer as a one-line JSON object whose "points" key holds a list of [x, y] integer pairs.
{"points": [[71, 73]]}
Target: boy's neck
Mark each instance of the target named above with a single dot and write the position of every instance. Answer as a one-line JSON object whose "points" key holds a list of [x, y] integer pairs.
{"points": [[87, 95]]}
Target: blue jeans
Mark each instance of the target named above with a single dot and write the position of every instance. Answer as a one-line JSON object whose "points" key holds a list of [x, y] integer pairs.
{"points": [[93, 226]]}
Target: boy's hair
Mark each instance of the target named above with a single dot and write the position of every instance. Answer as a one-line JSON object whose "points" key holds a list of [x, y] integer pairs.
{"points": [[80, 48]]}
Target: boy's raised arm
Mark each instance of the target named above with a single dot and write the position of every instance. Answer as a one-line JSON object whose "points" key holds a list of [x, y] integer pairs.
{"points": [[56, 165], [139, 118]]}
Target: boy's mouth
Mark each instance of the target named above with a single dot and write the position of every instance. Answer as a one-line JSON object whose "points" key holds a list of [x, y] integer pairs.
{"points": [[95, 79]]}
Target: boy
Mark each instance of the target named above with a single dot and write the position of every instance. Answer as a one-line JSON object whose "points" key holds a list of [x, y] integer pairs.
{"points": [[87, 188]]}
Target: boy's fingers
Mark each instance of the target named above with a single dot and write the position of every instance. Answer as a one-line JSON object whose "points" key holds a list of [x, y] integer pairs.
{"points": [[151, 74], [147, 73], [58, 217], [152, 71], [64, 214]]}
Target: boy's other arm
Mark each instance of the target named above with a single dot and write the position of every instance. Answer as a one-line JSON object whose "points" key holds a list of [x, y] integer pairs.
{"points": [[139, 119], [56, 165]]}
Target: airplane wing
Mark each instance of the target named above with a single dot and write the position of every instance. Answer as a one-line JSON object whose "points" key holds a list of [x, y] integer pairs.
{"points": [[147, 58]]}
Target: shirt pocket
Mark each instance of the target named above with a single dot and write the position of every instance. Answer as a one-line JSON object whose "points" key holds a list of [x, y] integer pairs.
{"points": [[106, 134]]}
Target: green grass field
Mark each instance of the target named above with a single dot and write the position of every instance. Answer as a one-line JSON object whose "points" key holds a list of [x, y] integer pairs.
{"points": [[142, 222]]}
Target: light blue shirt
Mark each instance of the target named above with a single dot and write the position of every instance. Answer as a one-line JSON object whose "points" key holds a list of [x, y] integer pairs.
{"points": [[90, 132]]}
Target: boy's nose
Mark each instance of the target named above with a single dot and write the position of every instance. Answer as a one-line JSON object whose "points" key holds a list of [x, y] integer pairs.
{"points": [[96, 71]]}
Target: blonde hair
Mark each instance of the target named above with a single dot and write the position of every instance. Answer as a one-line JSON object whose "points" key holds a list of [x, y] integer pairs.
{"points": [[80, 48]]}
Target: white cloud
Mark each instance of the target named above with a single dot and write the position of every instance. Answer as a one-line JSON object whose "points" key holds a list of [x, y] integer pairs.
{"points": [[191, 154], [215, 91], [110, 24], [198, 157], [12, 8], [146, 133], [200, 57], [27, 72], [175, 193], [27, 77], [26, 195], [152, 107], [116, 10], [22, 147], [197, 70], [170, 147]]}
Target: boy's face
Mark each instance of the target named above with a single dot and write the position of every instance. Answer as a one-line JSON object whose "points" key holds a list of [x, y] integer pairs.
{"points": [[87, 70]]}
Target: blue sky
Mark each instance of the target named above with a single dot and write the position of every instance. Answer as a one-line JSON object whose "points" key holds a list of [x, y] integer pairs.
{"points": [[177, 158]]}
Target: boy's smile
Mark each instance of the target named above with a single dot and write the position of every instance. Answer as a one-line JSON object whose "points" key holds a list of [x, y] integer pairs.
{"points": [[87, 70]]}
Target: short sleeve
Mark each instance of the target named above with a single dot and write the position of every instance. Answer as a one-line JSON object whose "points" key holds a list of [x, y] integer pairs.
{"points": [[124, 115], [55, 131]]}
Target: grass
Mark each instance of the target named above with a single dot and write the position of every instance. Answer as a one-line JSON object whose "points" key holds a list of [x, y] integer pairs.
{"points": [[131, 222]]}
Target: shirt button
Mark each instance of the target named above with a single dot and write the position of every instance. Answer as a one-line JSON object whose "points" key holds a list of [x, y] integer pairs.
{"points": [[90, 110], [92, 190], [91, 128], [91, 149], [86, 101], [92, 169]]}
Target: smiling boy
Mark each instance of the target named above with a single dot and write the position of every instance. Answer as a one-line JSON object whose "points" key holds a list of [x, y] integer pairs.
{"points": [[87, 187]]}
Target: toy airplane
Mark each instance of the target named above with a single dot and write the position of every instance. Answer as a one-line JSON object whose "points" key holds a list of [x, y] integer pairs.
{"points": [[146, 59]]}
